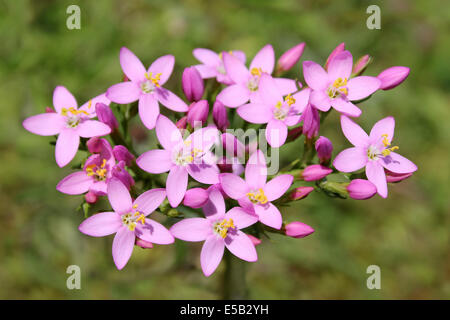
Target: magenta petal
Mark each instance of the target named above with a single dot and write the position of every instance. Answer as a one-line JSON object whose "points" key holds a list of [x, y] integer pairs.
{"points": [[45, 124], [168, 134], [204, 173], [276, 187], [75, 183], [362, 87], [351, 159], [234, 95], [341, 66], [66, 146], [101, 224], [192, 229], [285, 86], [264, 59], [118, 196], [269, 215], [382, 127], [234, 186], [276, 133], [320, 100], [211, 255], [176, 185], [148, 110], [236, 69], [241, 246], [131, 65], [353, 132], [150, 200], [171, 100], [375, 174], [163, 65], [346, 107], [62, 98], [241, 218], [124, 92], [256, 170], [397, 163], [268, 90], [207, 57], [155, 161], [154, 232], [255, 113], [215, 206], [122, 247], [92, 128], [315, 76]]}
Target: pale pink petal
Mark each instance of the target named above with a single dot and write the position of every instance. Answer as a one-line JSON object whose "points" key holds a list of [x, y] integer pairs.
{"points": [[122, 247], [75, 183], [382, 127], [149, 201], [239, 54], [99, 188], [123, 93], [176, 185], [215, 206], [163, 65], [234, 96], [207, 57], [241, 246], [205, 71], [131, 65], [375, 174], [171, 100], [264, 59], [236, 69], [66, 146], [256, 170], [211, 254], [241, 218], [397, 163], [346, 107], [315, 76], [101, 224], [276, 133], [255, 113], [44, 124], [204, 138], [148, 110], [362, 87], [119, 197], [269, 215], [155, 161], [320, 100], [353, 132], [92, 128], [62, 98], [285, 86], [89, 106], [234, 186], [192, 229], [276, 187], [268, 91], [340, 66], [154, 232], [351, 159], [204, 173], [168, 134], [301, 100]]}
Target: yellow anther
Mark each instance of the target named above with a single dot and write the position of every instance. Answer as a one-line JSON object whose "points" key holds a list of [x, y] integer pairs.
{"points": [[339, 82], [196, 151], [135, 206], [258, 197], [256, 72], [72, 110], [104, 163], [154, 79], [187, 142], [90, 104], [141, 219], [387, 151], [222, 227], [385, 140], [344, 91], [289, 99], [279, 105]]}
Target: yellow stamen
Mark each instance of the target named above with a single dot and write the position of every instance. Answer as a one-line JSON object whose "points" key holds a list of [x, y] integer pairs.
{"points": [[155, 80], [289, 99], [278, 105], [72, 110], [339, 82], [258, 197], [223, 227], [256, 72]]}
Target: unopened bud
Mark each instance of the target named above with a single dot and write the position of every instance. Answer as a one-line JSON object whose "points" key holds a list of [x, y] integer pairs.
{"points": [[254, 240], [192, 84], [121, 153], [361, 189], [315, 172], [324, 148], [198, 112], [195, 198], [392, 77], [338, 49], [300, 193], [220, 116], [298, 229], [143, 244], [105, 115], [90, 197], [361, 65], [290, 57], [393, 177]]}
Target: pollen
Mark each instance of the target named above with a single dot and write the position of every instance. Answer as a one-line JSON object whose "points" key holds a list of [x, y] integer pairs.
{"points": [[257, 197], [99, 173], [73, 111], [221, 228], [289, 99], [154, 79], [256, 72], [386, 143]]}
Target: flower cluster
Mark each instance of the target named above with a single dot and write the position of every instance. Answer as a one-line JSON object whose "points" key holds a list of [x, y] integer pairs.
{"points": [[227, 199]]}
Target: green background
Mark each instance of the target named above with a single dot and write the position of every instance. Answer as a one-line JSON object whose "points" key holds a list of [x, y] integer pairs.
{"points": [[407, 235]]}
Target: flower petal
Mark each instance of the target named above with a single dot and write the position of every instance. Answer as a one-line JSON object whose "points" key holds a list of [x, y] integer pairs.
{"points": [[375, 174], [234, 186], [171, 100], [276, 133], [285, 86], [264, 59], [211, 254], [163, 65], [362, 87], [255, 113], [205, 71], [320, 100], [353, 132], [123, 92], [340, 66], [154, 232], [45, 124], [269, 215], [66, 146], [397, 163], [351, 159], [168, 134], [346, 107], [256, 170], [241, 246], [62, 98], [148, 201], [207, 57], [122, 247], [215, 206], [234, 96], [236, 69], [268, 90], [276, 187], [92, 128], [204, 173], [382, 127], [241, 218], [176, 185], [315, 76], [75, 183], [101, 224], [148, 110], [118, 196], [301, 100], [192, 229], [131, 65], [155, 161]]}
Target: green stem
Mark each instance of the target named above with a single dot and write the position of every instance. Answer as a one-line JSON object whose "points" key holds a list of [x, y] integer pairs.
{"points": [[234, 285]]}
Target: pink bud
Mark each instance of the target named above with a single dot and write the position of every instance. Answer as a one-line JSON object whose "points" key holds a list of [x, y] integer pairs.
{"points": [[105, 115], [294, 133], [198, 112], [143, 244], [90, 197], [290, 57], [254, 240], [298, 229], [361, 64], [182, 123], [324, 148], [119, 172], [361, 189], [338, 49], [121, 153], [195, 198], [220, 116], [49, 110], [311, 121], [300, 193], [94, 145], [315, 172], [393, 177], [392, 77], [233, 147], [192, 83]]}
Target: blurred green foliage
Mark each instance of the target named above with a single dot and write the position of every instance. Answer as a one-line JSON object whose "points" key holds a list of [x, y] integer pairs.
{"points": [[407, 235]]}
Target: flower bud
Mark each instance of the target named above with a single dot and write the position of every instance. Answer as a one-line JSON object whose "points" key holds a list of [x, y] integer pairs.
{"points": [[119, 172], [143, 244], [300, 193], [90, 197], [290, 57], [361, 189], [294, 133], [338, 49], [49, 110], [315, 172], [192, 83], [393, 177], [105, 115], [182, 123], [298, 229], [324, 148], [195, 198], [94, 145], [311, 121], [232, 146], [198, 112], [254, 240], [392, 77], [220, 116], [121, 153], [361, 65]]}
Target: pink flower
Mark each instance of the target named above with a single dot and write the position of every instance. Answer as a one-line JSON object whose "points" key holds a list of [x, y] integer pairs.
{"points": [[146, 86], [340, 47], [272, 109], [218, 230], [181, 158], [392, 77], [246, 81], [254, 193], [374, 152], [335, 88], [68, 122], [128, 221], [98, 170], [212, 64]]}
